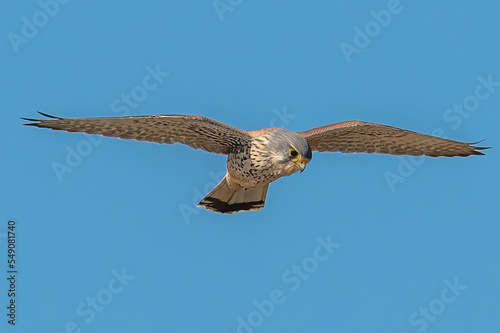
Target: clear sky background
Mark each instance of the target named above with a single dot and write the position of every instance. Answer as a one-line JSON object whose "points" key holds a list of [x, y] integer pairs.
{"points": [[109, 238]]}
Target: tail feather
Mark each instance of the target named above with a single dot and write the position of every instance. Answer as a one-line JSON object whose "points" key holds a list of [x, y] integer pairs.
{"points": [[225, 200]]}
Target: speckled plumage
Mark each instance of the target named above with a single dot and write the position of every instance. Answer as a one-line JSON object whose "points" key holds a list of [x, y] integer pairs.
{"points": [[257, 158], [258, 163]]}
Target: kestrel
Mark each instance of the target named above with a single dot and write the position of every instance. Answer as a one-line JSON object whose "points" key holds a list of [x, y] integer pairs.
{"points": [[257, 158]]}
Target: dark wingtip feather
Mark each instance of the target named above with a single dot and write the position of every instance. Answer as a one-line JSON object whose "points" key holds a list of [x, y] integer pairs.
{"points": [[29, 119], [48, 115], [476, 149], [39, 121], [478, 152], [475, 143]]}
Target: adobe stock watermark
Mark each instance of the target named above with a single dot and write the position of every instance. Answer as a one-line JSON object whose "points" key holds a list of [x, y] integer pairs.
{"points": [[371, 29], [459, 111], [280, 118], [292, 279], [138, 93], [425, 315], [221, 7], [89, 309], [31, 26], [121, 106], [455, 116]]}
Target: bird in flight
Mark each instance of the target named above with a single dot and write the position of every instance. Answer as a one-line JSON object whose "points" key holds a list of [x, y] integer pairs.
{"points": [[257, 158]]}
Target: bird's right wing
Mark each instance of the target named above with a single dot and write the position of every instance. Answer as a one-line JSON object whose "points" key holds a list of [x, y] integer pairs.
{"points": [[364, 137], [195, 131]]}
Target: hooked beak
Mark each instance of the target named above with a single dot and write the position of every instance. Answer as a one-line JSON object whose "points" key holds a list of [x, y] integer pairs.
{"points": [[302, 165]]}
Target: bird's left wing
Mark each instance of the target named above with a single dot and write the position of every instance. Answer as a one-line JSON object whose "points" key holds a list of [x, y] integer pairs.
{"points": [[195, 131], [364, 137]]}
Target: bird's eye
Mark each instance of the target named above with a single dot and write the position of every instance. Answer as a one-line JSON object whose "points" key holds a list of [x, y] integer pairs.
{"points": [[293, 153]]}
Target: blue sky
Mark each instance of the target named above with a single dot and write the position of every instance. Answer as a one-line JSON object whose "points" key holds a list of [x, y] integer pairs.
{"points": [[108, 238]]}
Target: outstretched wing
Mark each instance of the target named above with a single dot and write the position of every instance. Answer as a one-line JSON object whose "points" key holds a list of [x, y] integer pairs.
{"points": [[195, 131], [364, 137]]}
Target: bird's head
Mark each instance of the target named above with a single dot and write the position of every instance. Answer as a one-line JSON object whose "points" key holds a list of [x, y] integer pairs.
{"points": [[290, 151]]}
